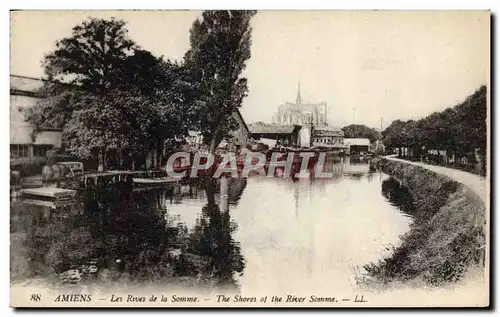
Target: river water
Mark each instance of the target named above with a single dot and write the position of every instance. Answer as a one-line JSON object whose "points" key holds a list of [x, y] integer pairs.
{"points": [[278, 234]]}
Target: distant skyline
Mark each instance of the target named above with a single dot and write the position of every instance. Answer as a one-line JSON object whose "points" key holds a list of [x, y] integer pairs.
{"points": [[395, 65]]}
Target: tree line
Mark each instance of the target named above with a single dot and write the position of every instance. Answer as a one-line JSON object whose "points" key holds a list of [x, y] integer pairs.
{"points": [[116, 102], [456, 135], [361, 131]]}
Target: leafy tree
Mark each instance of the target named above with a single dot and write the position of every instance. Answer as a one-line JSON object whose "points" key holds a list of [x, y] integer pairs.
{"points": [[459, 130], [391, 134], [81, 71], [220, 46], [166, 85], [109, 96], [361, 131], [113, 122], [91, 56]]}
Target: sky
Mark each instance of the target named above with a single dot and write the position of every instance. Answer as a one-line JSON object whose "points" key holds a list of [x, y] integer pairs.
{"points": [[366, 65]]}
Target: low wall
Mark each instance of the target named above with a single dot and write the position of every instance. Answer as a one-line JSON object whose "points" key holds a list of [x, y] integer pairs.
{"points": [[448, 233]]}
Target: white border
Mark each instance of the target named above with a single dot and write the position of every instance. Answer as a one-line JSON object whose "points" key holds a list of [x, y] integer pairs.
{"points": [[190, 4]]}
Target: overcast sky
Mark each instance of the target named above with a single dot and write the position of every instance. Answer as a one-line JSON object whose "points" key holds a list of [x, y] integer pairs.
{"points": [[385, 64]]}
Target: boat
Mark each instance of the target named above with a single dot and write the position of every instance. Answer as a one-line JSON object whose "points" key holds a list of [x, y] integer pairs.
{"points": [[51, 197], [49, 192]]}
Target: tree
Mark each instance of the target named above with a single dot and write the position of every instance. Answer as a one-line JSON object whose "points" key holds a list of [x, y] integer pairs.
{"points": [[460, 131], [81, 72], [91, 56], [361, 131], [114, 122], [393, 134], [166, 84], [220, 46], [109, 96]]}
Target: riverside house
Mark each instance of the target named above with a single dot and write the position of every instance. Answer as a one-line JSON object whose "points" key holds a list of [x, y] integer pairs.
{"points": [[25, 148], [287, 135]]}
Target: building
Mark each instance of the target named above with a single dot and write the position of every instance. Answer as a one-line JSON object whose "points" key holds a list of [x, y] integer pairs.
{"points": [[358, 145], [305, 135], [240, 136], [26, 148], [194, 141], [286, 135], [300, 113], [328, 137], [238, 139]]}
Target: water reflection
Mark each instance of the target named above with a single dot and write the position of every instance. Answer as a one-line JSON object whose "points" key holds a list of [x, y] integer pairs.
{"points": [[212, 241], [398, 195], [130, 236], [257, 234]]}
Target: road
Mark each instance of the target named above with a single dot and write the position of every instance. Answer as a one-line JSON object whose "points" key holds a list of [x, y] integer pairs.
{"points": [[476, 183]]}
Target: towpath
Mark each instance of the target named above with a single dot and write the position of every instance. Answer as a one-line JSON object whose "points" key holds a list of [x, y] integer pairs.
{"points": [[476, 183]]}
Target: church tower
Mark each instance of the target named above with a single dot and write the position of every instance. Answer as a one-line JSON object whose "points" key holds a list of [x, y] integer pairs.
{"points": [[300, 113]]}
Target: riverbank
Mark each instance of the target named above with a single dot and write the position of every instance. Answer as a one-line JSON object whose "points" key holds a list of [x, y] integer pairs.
{"points": [[448, 236], [474, 182]]}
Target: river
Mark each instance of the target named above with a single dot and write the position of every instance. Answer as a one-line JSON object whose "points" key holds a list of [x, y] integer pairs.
{"points": [[278, 234]]}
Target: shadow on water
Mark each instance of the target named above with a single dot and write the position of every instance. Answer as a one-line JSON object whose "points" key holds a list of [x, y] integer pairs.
{"points": [[117, 234], [398, 195], [212, 241]]}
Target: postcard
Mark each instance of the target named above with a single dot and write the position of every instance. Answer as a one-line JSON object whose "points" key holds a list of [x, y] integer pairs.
{"points": [[250, 159]]}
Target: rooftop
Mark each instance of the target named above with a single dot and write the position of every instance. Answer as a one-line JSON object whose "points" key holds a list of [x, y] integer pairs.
{"points": [[357, 141], [328, 130]]}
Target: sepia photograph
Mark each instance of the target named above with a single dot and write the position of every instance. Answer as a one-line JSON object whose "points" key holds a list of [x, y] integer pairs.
{"points": [[248, 158]]}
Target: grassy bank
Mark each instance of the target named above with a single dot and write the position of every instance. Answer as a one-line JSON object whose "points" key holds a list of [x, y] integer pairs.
{"points": [[447, 236]]}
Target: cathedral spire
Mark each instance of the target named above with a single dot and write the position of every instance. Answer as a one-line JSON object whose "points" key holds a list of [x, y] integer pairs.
{"points": [[299, 99]]}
